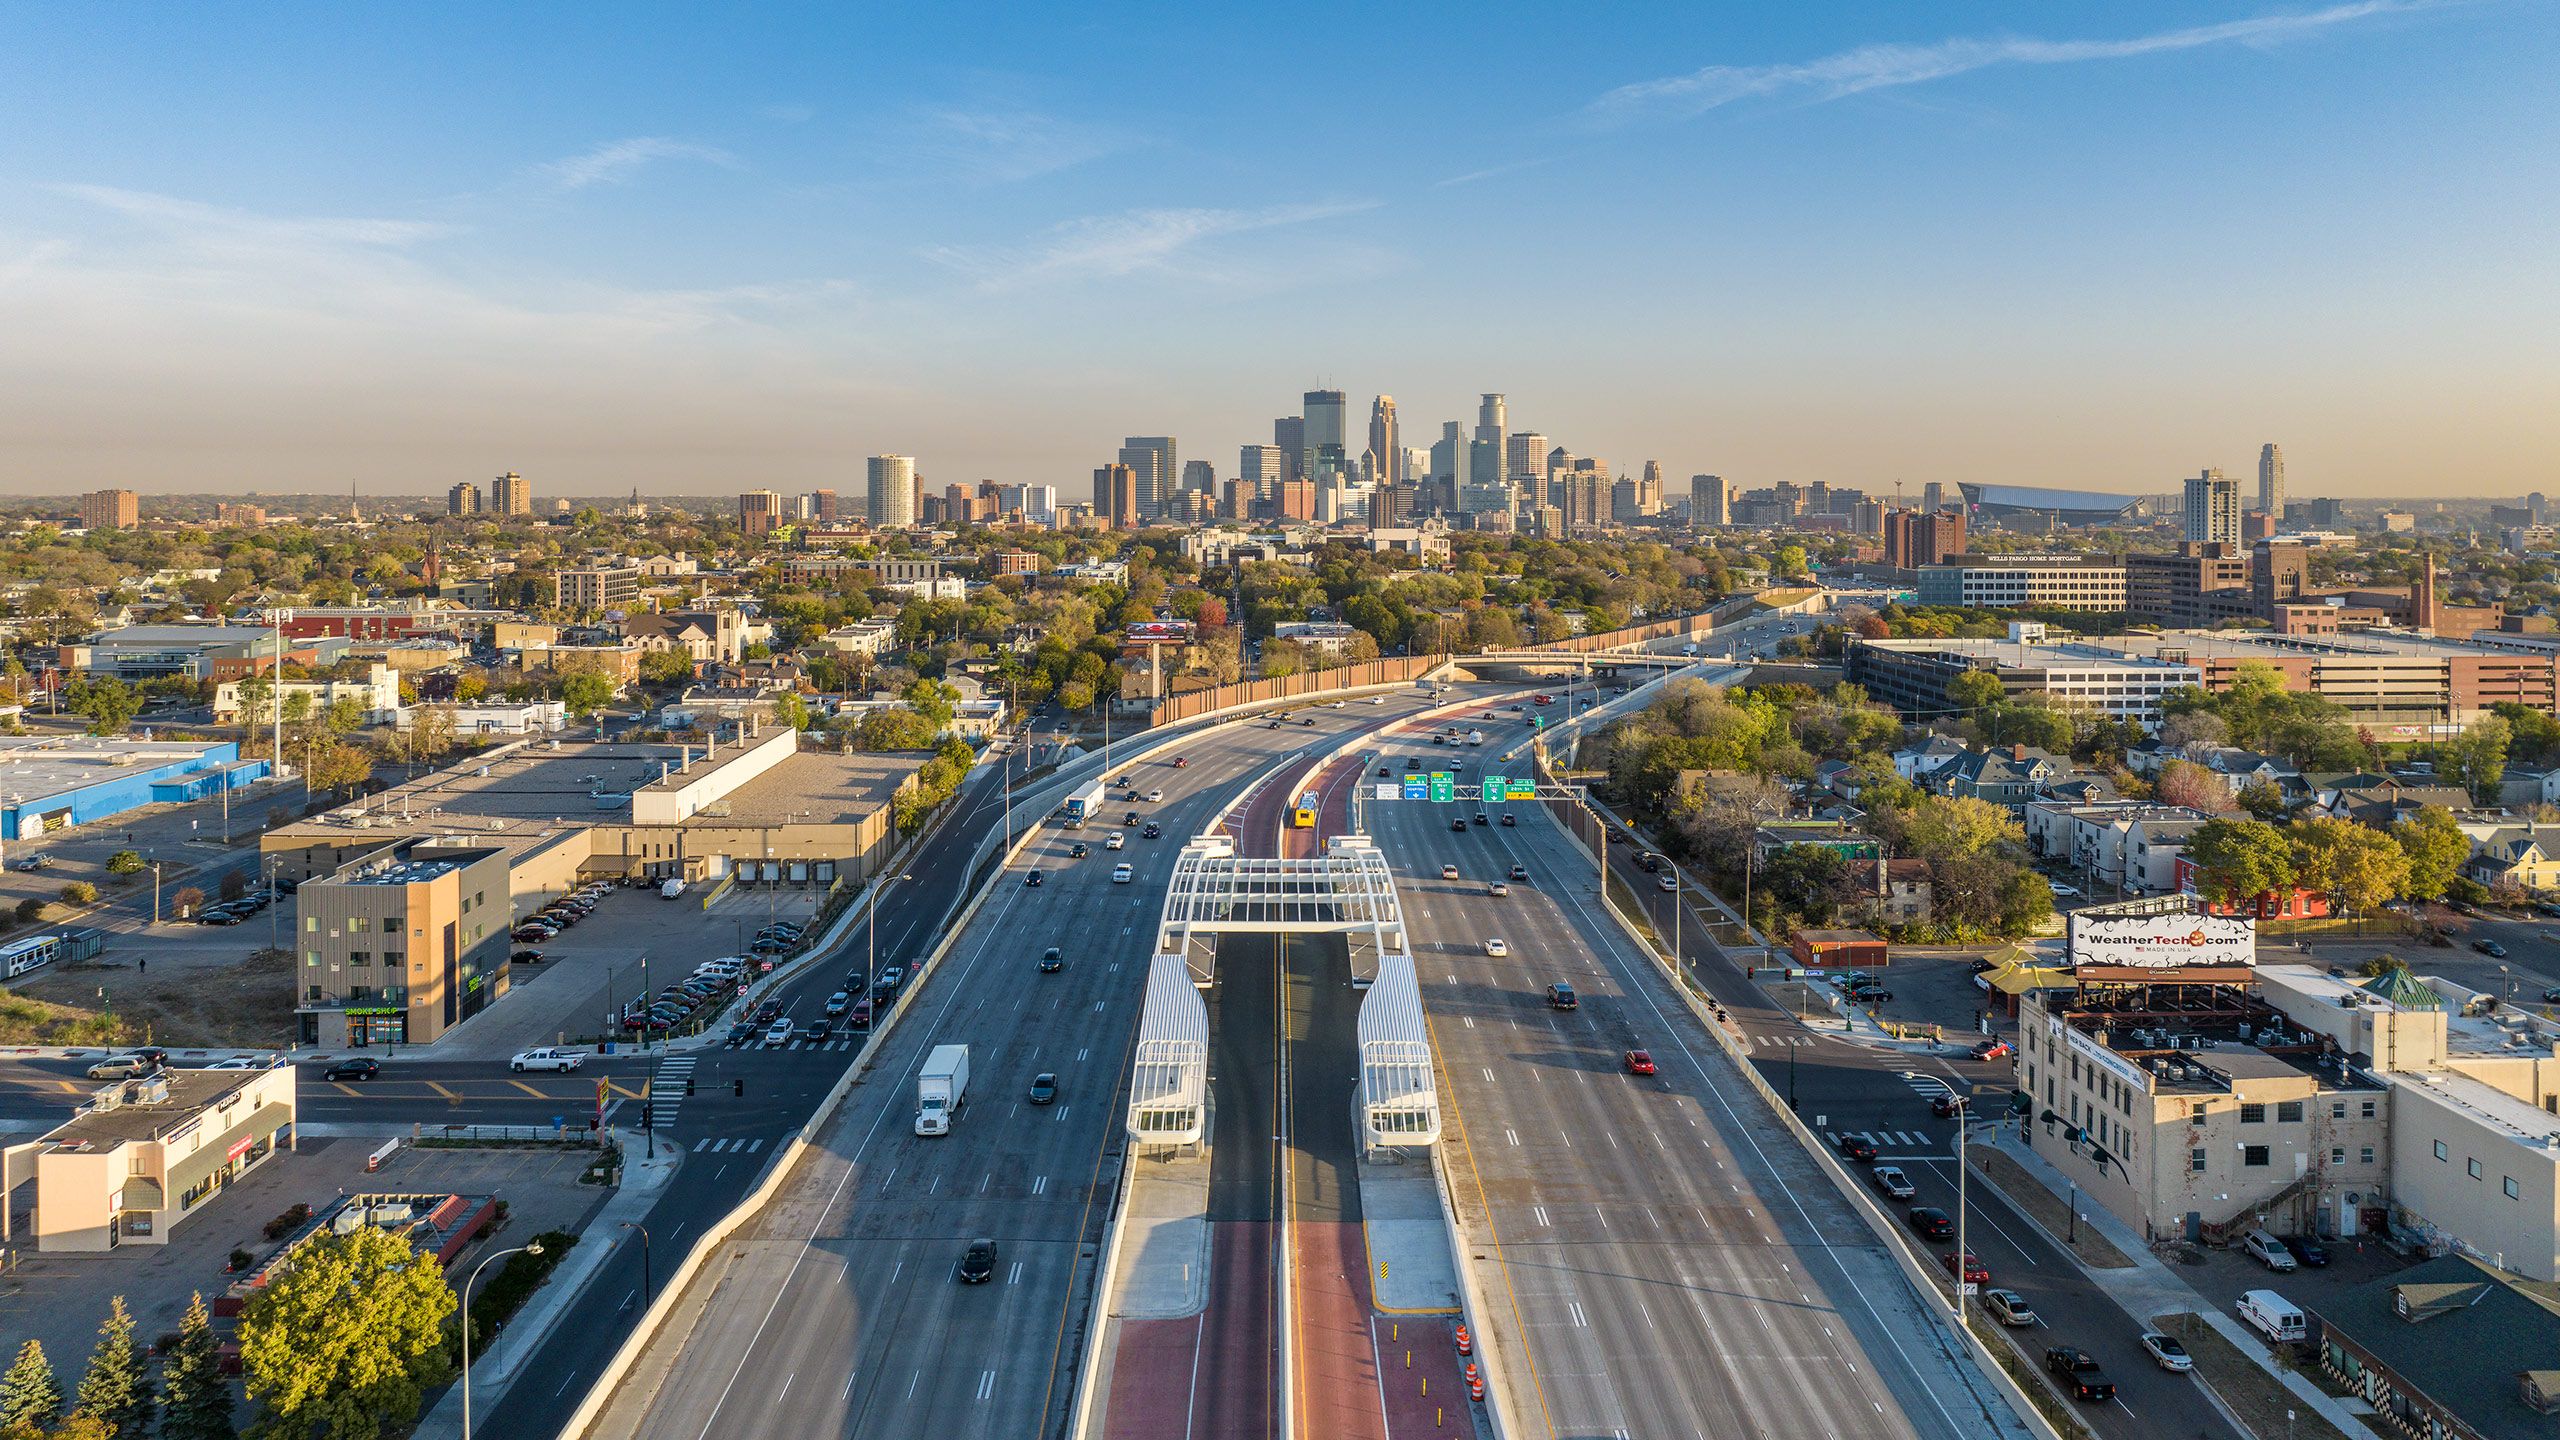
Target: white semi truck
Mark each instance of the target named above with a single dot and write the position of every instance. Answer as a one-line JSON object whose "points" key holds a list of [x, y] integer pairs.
{"points": [[941, 1086], [1084, 804]]}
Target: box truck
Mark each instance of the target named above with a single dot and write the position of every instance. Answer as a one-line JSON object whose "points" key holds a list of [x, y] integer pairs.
{"points": [[941, 1086], [1084, 804]]}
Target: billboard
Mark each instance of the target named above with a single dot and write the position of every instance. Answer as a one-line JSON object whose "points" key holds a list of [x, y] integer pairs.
{"points": [[2162, 942], [1154, 632]]}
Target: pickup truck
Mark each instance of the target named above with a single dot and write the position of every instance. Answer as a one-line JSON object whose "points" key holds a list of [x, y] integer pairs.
{"points": [[2078, 1370]]}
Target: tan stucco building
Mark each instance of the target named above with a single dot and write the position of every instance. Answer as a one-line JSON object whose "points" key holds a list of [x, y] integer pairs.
{"points": [[142, 1156]]}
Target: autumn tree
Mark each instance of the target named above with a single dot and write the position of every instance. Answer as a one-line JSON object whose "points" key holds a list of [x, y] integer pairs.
{"points": [[2435, 848], [2476, 759], [2184, 782], [2357, 866], [2238, 861], [344, 1340]]}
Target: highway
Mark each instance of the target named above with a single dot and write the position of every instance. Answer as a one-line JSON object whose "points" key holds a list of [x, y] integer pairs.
{"points": [[1883, 1095], [1663, 1258], [835, 1311]]}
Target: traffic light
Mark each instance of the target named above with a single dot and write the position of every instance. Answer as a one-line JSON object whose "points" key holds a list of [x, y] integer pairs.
{"points": [[648, 1114], [688, 1087], [738, 1088]]}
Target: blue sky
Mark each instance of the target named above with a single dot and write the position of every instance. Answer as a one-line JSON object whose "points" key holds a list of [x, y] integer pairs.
{"points": [[645, 245]]}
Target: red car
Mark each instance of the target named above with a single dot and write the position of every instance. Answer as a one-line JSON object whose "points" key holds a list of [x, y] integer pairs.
{"points": [[1639, 1063], [1991, 1050], [1975, 1272]]}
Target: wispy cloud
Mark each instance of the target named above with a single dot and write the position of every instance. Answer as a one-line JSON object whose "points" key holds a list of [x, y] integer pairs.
{"points": [[213, 227], [619, 160], [1878, 67], [1002, 145], [1488, 173], [1135, 241]]}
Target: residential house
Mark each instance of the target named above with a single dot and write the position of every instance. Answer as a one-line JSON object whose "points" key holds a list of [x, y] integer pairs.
{"points": [[2517, 857], [2008, 776], [1832, 835], [1914, 761], [2152, 845], [1905, 893], [2099, 839], [2525, 787]]}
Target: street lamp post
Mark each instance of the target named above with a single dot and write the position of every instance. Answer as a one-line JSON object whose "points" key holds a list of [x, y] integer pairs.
{"points": [[1964, 1113], [645, 1295], [531, 1247]]}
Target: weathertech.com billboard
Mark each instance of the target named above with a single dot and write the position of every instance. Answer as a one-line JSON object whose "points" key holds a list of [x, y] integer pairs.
{"points": [[1159, 632], [2162, 942]]}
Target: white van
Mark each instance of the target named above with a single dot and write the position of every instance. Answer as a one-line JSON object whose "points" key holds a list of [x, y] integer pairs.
{"points": [[670, 889], [2269, 1251], [2271, 1315]]}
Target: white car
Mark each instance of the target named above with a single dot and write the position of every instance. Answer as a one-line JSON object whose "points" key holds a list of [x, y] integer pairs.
{"points": [[548, 1058], [2167, 1353], [1115, 841], [1497, 947], [1155, 797], [2066, 892], [1497, 888], [1448, 872], [779, 1032], [1377, 699], [1667, 882], [1122, 874]]}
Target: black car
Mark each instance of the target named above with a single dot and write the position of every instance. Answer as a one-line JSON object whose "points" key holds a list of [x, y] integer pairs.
{"points": [[2079, 1373], [2490, 948], [1458, 825], [1044, 1088], [1510, 819], [1152, 831], [1861, 1150], [358, 1067], [1129, 819], [1483, 819], [978, 1263], [820, 1029], [1032, 879], [1051, 962], [2307, 1250], [525, 957], [1077, 851], [1931, 1223], [1519, 872], [742, 1033], [768, 946]]}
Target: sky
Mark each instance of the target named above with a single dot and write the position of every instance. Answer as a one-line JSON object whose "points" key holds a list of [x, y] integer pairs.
{"points": [[705, 249]]}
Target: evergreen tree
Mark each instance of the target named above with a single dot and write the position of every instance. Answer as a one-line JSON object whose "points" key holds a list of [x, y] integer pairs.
{"points": [[115, 1392], [29, 1395], [195, 1397]]}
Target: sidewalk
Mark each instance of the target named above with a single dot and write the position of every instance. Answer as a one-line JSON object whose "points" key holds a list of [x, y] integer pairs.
{"points": [[2151, 1288], [1408, 1239], [601, 1243]]}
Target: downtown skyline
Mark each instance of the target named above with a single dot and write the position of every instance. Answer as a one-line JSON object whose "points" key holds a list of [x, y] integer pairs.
{"points": [[2002, 246]]}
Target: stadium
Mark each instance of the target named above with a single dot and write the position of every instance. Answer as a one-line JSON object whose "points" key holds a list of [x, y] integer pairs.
{"points": [[1999, 504]]}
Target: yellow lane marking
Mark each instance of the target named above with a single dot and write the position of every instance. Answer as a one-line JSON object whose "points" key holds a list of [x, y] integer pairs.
{"points": [[439, 1089], [529, 1090]]}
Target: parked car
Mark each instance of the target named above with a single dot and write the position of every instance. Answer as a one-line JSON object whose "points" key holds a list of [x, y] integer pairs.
{"points": [[2167, 1353], [2079, 1373], [2307, 1250], [34, 862], [120, 1067], [2269, 1251], [525, 957], [1971, 1268], [532, 934], [547, 1058], [1890, 1180], [2008, 1307], [2490, 948], [354, 1067], [1931, 1222]]}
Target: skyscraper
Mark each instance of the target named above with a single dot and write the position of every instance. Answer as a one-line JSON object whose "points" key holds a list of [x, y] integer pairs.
{"points": [[511, 494], [1385, 440], [1261, 468], [1115, 496], [1327, 423], [2213, 510], [1289, 434], [893, 491], [110, 510], [1199, 475], [1448, 452], [822, 504], [1485, 455], [1710, 501], [759, 511], [1524, 464], [1933, 497], [2271, 478], [1153, 459], [462, 499]]}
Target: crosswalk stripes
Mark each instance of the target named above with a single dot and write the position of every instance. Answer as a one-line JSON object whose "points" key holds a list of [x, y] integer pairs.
{"points": [[1929, 1085], [710, 1145], [666, 1089], [849, 1043], [1905, 1138]]}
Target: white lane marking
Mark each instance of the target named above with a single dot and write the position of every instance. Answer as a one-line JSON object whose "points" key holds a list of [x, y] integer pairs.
{"points": [[1039, 1184], [786, 1386], [1510, 1134], [913, 1383], [1578, 1317], [986, 1384], [1014, 1276]]}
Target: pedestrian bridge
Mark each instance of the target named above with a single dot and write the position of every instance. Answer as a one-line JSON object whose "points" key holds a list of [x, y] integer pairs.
{"points": [[1350, 891]]}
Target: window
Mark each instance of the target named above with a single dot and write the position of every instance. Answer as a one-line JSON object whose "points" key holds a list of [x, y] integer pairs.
{"points": [[2195, 1160], [359, 957], [2196, 1109], [2337, 1154], [2338, 1110], [392, 958], [311, 958], [2365, 1156], [2508, 1184], [311, 924], [2288, 1111], [358, 924], [2253, 1114], [2254, 1155], [2473, 1166], [2368, 1109], [2440, 1151]]}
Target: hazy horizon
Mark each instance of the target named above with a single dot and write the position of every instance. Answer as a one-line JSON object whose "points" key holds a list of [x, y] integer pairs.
{"points": [[701, 253]]}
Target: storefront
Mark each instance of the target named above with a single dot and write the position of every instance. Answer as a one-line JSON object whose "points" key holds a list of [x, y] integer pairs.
{"points": [[377, 1025]]}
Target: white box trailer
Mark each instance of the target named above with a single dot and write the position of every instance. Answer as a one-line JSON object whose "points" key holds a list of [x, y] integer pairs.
{"points": [[942, 1086]]}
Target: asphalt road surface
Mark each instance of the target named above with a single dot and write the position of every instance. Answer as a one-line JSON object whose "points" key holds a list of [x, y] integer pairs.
{"points": [[1663, 1258]]}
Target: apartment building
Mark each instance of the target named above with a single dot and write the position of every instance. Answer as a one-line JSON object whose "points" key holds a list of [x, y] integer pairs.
{"points": [[597, 587], [402, 944], [2053, 582], [2126, 844]]}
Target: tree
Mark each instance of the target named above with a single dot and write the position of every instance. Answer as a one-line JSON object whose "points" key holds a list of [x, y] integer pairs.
{"points": [[124, 862], [2263, 800], [585, 692], [195, 1398], [2195, 727], [2476, 759], [2184, 782], [339, 766], [116, 1392], [2435, 847], [2238, 861], [187, 901], [791, 710], [2356, 866], [935, 701], [30, 910], [108, 702], [666, 667], [79, 892], [29, 1395], [1976, 690], [342, 1342], [471, 687]]}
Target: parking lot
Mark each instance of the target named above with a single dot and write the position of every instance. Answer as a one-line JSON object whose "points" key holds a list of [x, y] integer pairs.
{"points": [[592, 968]]}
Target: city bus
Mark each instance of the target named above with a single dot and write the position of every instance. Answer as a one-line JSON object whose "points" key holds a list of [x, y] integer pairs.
{"points": [[1305, 816], [36, 951]]}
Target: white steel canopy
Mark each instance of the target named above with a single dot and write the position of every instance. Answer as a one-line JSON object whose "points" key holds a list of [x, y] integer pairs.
{"points": [[1399, 1095], [1348, 890], [1169, 1085]]}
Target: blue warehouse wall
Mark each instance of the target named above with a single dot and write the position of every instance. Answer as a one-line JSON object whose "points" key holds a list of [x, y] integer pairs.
{"points": [[202, 777]]}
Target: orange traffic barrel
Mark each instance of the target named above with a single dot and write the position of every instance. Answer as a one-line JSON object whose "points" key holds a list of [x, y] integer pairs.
{"points": [[1466, 1342]]}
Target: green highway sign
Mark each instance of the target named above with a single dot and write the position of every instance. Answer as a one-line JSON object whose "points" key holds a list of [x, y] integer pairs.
{"points": [[1443, 787], [1495, 787]]}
